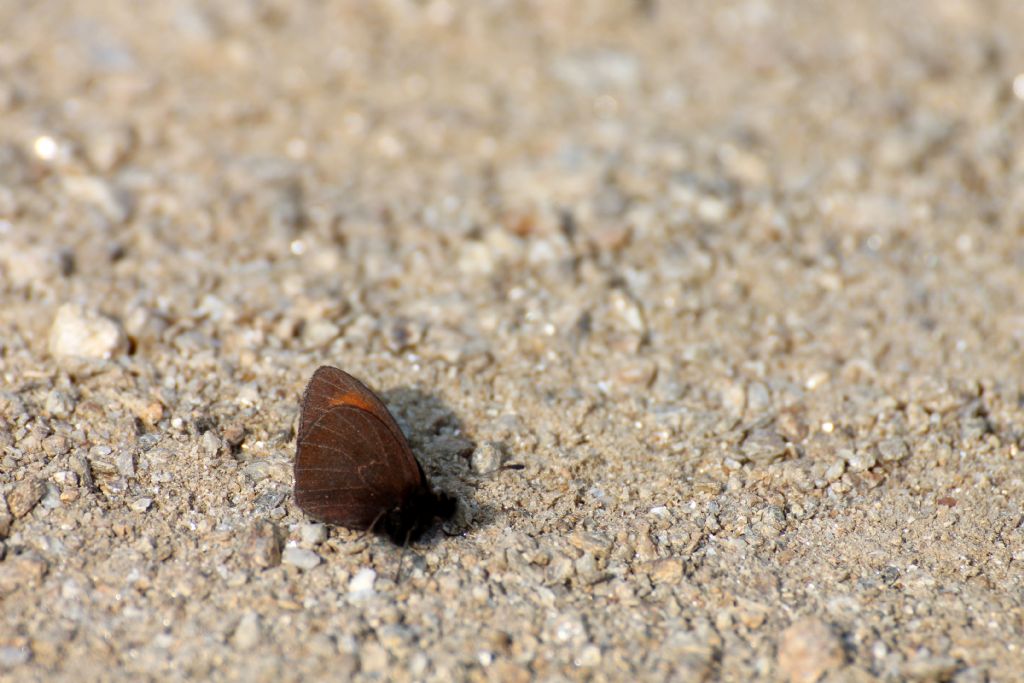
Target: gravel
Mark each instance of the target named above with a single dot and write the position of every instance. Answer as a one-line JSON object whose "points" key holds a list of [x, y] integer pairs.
{"points": [[736, 284]]}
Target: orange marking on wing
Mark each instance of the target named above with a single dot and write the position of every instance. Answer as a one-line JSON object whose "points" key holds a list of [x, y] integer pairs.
{"points": [[352, 398]]}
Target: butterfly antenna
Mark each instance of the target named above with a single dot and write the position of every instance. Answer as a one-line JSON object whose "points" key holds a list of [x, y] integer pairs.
{"points": [[398, 573]]}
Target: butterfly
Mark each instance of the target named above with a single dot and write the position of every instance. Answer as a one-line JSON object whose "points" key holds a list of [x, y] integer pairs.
{"points": [[354, 466]]}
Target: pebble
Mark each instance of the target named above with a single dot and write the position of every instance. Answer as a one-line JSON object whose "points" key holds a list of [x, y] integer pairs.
{"points": [[764, 446], [125, 464], [300, 557], [80, 333], [58, 404], [141, 504], [56, 444], [98, 192], [320, 333], [668, 570], [28, 265], [361, 585], [5, 525], [807, 650], [487, 458], [262, 545], [25, 496], [211, 443], [858, 461], [312, 534], [893, 449], [12, 656], [19, 571], [248, 633]]}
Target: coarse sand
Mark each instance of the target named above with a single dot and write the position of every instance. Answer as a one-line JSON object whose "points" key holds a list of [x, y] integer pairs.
{"points": [[740, 284]]}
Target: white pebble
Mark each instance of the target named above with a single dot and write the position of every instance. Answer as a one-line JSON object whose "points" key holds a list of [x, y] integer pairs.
{"points": [[301, 558], [77, 332], [312, 534], [248, 632], [140, 504], [361, 585]]}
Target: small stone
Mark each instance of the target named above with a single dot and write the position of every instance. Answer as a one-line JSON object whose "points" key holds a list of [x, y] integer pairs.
{"points": [[764, 446], [487, 458], [140, 504], [312, 534], [893, 449], [125, 464], [211, 443], [52, 499], [20, 571], [262, 545], [587, 569], [594, 543], [589, 656], [668, 570], [858, 461], [5, 525], [30, 264], [25, 496], [361, 585], [925, 667], [234, 435], [320, 333], [256, 471], [150, 413], [58, 404], [808, 649], [56, 444], [98, 192], [835, 470], [80, 333], [12, 656], [248, 633], [300, 557], [107, 147]]}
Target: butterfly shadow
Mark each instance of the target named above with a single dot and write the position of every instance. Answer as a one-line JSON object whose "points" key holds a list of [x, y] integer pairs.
{"points": [[439, 441]]}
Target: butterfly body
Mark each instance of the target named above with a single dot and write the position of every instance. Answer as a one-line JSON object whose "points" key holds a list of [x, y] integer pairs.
{"points": [[353, 465]]}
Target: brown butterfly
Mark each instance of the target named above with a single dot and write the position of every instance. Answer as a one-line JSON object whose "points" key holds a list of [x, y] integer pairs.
{"points": [[354, 467]]}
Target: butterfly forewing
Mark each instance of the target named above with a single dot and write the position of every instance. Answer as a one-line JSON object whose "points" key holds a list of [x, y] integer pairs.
{"points": [[352, 463], [330, 387]]}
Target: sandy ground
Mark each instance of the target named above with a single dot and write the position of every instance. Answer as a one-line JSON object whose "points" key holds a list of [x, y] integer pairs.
{"points": [[739, 283]]}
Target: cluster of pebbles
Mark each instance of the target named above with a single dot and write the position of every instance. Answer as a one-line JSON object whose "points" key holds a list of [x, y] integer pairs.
{"points": [[737, 284]]}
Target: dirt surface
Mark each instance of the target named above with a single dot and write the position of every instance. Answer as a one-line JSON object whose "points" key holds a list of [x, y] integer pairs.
{"points": [[738, 283]]}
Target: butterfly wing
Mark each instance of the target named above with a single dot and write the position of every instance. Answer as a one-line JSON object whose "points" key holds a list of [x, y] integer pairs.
{"points": [[352, 462], [330, 387]]}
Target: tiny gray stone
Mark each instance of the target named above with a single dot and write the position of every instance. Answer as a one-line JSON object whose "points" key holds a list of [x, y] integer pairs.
{"points": [[312, 534], [11, 656], [893, 449], [125, 464], [56, 444], [248, 633], [211, 443], [764, 446], [858, 461], [300, 557], [58, 404], [587, 569], [487, 458], [269, 500], [25, 496]]}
